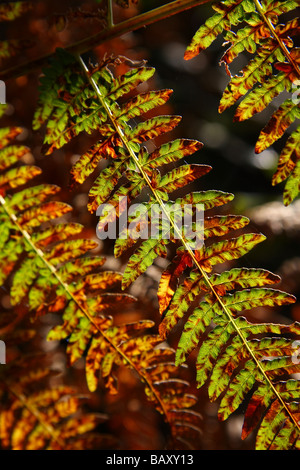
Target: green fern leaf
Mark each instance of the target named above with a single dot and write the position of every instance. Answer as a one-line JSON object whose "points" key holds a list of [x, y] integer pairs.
{"points": [[259, 33]]}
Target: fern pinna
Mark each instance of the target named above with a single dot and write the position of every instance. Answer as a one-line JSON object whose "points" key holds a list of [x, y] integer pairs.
{"points": [[47, 266], [241, 361], [253, 27]]}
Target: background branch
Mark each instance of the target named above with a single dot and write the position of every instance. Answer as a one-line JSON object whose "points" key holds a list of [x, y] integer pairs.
{"points": [[107, 34]]}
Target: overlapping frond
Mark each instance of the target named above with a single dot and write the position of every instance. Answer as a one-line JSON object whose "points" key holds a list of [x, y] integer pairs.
{"points": [[50, 269], [253, 27], [37, 415]]}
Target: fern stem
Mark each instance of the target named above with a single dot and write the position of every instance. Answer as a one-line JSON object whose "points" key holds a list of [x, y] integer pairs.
{"points": [[282, 46], [181, 237], [71, 296], [132, 24]]}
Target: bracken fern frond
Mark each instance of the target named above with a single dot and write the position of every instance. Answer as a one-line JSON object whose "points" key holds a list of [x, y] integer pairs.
{"points": [[50, 269]]}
